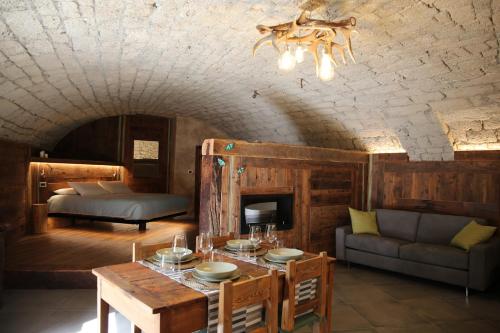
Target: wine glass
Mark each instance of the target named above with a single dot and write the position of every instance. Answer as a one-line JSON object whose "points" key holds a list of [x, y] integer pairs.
{"points": [[271, 233], [255, 237], [206, 243], [180, 248]]}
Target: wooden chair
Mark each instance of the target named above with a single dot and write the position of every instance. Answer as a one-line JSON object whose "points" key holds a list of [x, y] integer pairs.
{"points": [[312, 311], [140, 251], [262, 290], [218, 241]]}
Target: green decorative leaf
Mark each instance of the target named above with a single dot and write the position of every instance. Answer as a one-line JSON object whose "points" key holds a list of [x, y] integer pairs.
{"points": [[240, 170], [221, 162], [229, 147]]}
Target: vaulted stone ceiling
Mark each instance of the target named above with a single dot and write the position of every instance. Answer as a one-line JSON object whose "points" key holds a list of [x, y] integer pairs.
{"points": [[427, 78]]}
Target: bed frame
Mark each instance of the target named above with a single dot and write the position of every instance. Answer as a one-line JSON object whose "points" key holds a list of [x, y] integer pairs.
{"points": [[55, 176], [141, 223]]}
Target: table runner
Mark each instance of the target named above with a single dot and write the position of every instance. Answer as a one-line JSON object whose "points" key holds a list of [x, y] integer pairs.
{"points": [[242, 318]]}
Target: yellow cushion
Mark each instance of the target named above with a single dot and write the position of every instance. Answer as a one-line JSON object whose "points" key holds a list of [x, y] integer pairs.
{"points": [[363, 222], [472, 234]]}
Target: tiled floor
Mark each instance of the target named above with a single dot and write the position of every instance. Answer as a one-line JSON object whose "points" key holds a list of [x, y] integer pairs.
{"points": [[366, 300]]}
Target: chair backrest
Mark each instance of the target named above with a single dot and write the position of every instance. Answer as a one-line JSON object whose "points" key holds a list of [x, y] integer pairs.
{"points": [[262, 291], [305, 278], [218, 241], [140, 251]]}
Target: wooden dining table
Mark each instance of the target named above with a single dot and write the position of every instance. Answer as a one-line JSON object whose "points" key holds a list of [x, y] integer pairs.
{"points": [[157, 304]]}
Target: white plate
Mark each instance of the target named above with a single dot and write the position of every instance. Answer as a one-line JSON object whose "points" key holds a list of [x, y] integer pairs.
{"points": [[235, 250], [169, 253], [285, 254], [270, 259], [235, 276], [215, 269], [172, 260], [235, 244]]}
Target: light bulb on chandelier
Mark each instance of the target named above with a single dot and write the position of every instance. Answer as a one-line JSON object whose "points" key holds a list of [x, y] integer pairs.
{"points": [[287, 60], [311, 35], [299, 54], [326, 71]]}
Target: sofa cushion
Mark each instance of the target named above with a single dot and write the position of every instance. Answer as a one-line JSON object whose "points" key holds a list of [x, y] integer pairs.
{"points": [[433, 254], [363, 222], [375, 244], [472, 234], [440, 229], [399, 224]]}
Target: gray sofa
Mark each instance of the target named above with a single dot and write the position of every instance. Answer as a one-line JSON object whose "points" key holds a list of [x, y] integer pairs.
{"points": [[418, 244]]}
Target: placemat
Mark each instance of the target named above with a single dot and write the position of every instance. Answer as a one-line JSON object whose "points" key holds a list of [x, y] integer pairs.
{"points": [[242, 318], [260, 252], [185, 265]]}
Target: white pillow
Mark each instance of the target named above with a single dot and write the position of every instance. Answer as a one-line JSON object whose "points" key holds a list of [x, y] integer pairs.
{"points": [[87, 188], [66, 191], [115, 187]]}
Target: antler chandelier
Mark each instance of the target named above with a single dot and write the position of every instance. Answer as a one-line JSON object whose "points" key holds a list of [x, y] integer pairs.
{"points": [[319, 37]]}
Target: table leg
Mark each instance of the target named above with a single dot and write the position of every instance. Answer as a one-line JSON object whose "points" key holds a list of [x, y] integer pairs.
{"points": [[102, 311], [329, 305], [102, 315]]}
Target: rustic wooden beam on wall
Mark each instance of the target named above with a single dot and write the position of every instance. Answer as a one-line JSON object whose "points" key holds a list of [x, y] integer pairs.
{"points": [[210, 194], [281, 151]]}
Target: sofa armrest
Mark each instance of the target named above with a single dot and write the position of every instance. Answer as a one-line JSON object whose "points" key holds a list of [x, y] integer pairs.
{"points": [[340, 234], [484, 259]]}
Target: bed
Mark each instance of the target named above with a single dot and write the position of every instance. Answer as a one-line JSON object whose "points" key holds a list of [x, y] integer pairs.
{"points": [[133, 208]]}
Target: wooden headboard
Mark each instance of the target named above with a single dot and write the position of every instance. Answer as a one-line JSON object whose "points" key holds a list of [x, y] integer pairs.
{"points": [[57, 176]]}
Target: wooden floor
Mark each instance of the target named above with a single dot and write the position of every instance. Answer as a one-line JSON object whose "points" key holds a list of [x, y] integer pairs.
{"points": [[88, 245]]}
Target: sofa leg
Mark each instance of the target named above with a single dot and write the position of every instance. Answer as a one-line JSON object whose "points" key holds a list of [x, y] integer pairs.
{"points": [[467, 293]]}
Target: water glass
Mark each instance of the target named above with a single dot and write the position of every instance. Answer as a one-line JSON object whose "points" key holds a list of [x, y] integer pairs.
{"points": [[206, 243], [271, 233], [179, 248], [255, 237], [244, 251], [165, 263]]}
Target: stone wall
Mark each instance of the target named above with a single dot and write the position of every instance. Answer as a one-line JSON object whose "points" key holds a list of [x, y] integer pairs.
{"points": [[189, 133], [64, 63]]}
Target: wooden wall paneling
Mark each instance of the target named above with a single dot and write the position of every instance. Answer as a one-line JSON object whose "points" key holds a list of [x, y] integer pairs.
{"points": [[294, 164], [322, 189], [366, 188], [13, 192], [234, 195], [57, 175], [468, 186], [330, 202], [306, 209], [378, 170], [324, 220], [153, 129], [225, 189], [298, 217], [98, 140]]}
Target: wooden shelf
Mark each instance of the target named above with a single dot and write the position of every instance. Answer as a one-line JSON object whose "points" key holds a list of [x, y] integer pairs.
{"points": [[70, 161]]}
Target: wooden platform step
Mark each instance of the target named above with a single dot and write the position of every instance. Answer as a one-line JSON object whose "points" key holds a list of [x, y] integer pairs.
{"points": [[60, 279]]}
